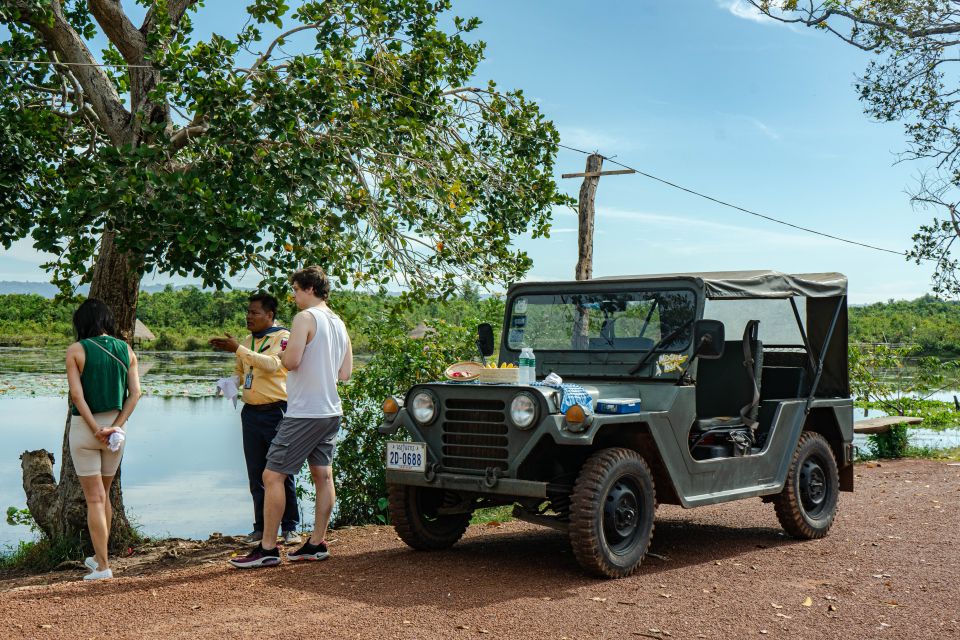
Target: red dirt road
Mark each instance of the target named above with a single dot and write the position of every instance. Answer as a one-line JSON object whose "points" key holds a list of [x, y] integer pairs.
{"points": [[888, 568]]}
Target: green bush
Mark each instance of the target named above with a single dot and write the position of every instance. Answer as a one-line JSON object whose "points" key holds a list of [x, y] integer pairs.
{"points": [[891, 443], [163, 342], [398, 362]]}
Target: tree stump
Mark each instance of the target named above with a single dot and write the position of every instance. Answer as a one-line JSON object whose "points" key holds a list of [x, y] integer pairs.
{"points": [[59, 508]]}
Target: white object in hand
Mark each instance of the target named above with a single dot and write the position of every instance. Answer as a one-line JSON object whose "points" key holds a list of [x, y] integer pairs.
{"points": [[116, 439], [229, 388]]}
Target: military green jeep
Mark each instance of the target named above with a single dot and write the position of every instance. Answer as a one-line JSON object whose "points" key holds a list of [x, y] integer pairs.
{"points": [[656, 406]]}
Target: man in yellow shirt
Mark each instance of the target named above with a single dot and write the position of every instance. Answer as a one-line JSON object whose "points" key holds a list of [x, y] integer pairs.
{"points": [[264, 383]]}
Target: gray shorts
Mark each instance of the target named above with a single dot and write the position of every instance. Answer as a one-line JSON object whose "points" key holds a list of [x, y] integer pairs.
{"points": [[302, 439]]}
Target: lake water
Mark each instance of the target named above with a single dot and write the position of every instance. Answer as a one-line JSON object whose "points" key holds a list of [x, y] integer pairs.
{"points": [[183, 470]]}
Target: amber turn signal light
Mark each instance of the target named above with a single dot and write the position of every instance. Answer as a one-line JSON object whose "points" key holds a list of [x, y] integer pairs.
{"points": [[575, 415], [391, 407]]}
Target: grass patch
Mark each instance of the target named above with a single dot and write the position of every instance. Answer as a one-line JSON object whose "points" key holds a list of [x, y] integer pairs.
{"points": [[493, 514], [40, 555]]}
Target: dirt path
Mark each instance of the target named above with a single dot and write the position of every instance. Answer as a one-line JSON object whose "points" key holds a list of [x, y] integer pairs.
{"points": [[887, 569]]}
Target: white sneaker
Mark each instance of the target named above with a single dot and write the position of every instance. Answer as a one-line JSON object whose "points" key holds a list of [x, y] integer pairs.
{"points": [[99, 575], [90, 562]]}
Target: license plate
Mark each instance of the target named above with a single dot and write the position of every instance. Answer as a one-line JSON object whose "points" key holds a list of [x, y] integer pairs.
{"points": [[407, 456]]}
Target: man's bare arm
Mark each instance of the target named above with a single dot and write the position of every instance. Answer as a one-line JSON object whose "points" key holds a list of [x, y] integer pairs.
{"points": [[299, 336]]}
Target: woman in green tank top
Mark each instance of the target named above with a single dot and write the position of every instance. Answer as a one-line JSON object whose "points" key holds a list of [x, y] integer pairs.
{"points": [[104, 389]]}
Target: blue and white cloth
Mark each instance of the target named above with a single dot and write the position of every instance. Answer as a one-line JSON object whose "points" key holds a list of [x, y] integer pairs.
{"points": [[570, 394]]}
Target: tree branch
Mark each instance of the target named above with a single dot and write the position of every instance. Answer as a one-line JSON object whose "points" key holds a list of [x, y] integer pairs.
{"points": [[100, 91], [125, 37], [175, 9]]}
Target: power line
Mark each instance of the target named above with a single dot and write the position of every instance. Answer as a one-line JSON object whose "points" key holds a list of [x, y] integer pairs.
{"points": [[755, 213]]}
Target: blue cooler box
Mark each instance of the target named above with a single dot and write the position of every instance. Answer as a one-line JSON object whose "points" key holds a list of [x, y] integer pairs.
{"points": [[618, 405]]}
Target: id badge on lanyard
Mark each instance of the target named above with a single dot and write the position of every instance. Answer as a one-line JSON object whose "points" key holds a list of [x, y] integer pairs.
{"points": [[248, 381]]}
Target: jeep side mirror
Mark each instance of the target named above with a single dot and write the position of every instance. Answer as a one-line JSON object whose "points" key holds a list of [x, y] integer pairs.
{"points": [[485, 339], [708, 339]]}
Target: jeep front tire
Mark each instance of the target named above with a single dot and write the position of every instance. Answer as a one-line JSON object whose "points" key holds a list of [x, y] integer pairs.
{"points": [[414, 514], [611, 513]]}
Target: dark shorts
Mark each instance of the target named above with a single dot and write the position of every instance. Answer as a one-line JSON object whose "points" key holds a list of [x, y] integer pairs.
{"points": [[303, 439]]}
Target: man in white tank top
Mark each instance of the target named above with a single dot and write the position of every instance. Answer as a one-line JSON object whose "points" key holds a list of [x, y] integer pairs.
{"points": [[317, 356]]}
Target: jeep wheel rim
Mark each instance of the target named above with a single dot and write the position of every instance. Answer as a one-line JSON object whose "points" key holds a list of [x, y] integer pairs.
{"points": [[813, 486], [621, 515]]}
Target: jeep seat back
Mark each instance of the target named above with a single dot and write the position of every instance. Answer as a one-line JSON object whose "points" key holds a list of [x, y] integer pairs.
{"points": [[728, 388]]}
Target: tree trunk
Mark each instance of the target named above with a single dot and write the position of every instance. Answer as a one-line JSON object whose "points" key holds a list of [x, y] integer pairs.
{"points": [[59, 509]]}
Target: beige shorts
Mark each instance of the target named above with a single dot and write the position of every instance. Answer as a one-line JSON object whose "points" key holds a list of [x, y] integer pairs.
{"points": [[90, 456]]}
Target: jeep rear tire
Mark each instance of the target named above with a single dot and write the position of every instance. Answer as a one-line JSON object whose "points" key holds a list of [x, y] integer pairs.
{"points": [[807, 505], [611, 513], [413, 511]]}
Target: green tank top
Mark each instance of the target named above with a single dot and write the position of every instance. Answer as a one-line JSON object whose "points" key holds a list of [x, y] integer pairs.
{"points": [[104, 380]]}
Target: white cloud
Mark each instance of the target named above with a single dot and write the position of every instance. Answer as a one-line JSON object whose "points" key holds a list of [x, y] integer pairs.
{"points": [[765, 129], [724, 233], [744, 10]]}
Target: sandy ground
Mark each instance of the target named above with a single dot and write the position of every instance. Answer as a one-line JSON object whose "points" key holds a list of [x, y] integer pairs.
{"points": [[888, 568]]}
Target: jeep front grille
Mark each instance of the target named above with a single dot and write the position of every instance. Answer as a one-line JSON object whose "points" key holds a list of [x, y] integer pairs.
{"points": [[475, 435]]}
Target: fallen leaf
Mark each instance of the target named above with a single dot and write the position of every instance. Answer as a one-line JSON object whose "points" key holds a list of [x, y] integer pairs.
{"points": [[195, 607], [407, 622], [494, 523], [783, 615], [596, 599], [776, 606], [832, 607], [483, 631], [463, 626], [46, 626], [665, 595], [808, 602]]}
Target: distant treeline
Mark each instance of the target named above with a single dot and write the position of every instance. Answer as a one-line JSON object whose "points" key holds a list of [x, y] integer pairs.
{"points": [[928, 322], [183, 319]]}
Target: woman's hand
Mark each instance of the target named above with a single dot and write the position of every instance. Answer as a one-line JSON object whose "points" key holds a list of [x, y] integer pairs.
{"points": [[103, 435]]}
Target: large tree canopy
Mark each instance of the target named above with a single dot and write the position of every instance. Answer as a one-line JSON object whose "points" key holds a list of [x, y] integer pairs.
{"points": [[367, 152], [343, 133], [913, 79]]}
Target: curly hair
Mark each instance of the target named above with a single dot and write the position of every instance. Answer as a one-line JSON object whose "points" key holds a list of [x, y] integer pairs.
{"points": [[312, 278]]}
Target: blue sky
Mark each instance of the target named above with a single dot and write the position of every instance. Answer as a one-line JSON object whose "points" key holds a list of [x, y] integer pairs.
{"points": [[701, 93]]}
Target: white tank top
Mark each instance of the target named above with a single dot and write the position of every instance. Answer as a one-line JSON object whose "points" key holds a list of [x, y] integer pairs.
{"points": [[312, 387]]}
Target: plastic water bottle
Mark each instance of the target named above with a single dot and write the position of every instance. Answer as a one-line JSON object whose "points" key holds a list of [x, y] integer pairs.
{"points": [[528, 366], [524, 365]]}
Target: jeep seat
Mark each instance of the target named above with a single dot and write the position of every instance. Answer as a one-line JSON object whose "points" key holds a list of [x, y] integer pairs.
{"points": [[728, 388]]}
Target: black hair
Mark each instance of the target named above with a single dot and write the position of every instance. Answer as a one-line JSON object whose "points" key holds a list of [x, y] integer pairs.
{"points": [[93, 318], [312, 278], [267, 301]]}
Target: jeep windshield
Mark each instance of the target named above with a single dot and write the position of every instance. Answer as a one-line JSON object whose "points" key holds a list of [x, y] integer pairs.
{"points": [[602, 321]]}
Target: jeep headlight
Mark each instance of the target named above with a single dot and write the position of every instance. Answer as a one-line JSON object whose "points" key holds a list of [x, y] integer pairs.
{"points": [[424, 407], [523, 410]]}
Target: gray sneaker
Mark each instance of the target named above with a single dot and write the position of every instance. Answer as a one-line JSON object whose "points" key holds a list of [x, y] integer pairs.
{"points": [[254, 537], [290, 538]]}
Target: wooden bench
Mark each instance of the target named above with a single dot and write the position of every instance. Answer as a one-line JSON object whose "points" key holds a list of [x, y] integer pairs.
{"points": [[881, 425]]}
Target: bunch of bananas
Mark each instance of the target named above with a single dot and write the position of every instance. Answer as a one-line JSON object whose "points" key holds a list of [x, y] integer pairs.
{"points": [[503, 365]]}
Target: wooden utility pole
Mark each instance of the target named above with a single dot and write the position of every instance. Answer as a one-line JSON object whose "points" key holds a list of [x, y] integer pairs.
{"points": [[588, 193]]}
